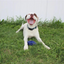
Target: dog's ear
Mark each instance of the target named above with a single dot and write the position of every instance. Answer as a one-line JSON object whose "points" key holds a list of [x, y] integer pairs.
{"points": [[35, 14], [25, 17]]}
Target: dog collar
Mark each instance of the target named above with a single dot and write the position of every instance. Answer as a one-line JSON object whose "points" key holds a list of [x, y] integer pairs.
{"points": [[31, 28]]}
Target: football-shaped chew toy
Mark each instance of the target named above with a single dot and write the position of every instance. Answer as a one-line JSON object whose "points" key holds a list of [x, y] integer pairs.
{"points": [[31, 42]]}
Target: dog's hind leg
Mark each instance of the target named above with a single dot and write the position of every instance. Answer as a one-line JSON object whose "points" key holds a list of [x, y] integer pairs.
{"points": [[39, 39]]}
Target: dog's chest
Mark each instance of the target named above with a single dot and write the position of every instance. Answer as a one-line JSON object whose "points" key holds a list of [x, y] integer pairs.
{"points": [[30, 33]]}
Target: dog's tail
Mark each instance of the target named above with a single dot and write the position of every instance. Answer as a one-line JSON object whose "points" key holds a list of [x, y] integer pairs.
{"points": [[22, 26]]}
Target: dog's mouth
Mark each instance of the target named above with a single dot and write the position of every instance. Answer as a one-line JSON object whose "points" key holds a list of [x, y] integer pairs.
{"points": [[31, 21]]}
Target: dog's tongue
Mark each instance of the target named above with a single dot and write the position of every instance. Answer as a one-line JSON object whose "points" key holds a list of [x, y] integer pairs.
{"points": [[31, 22]]}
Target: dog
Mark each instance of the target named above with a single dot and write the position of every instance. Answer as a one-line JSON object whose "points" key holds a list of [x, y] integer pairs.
{"points": [[30, 29]]}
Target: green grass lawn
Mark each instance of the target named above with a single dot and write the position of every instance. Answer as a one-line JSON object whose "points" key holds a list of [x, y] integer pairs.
{"points": [[11, 44]]}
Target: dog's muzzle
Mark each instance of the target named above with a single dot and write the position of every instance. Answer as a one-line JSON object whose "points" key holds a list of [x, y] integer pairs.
{"points": [[31, 19]]}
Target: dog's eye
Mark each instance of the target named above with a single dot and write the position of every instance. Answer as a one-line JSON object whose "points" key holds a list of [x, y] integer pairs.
{"points": [[28, 16], [34, 17]]}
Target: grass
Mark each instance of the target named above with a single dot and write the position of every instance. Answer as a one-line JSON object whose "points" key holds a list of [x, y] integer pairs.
{"points": [[11, 44]]}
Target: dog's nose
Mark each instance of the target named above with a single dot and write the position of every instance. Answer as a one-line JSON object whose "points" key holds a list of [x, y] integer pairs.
{"points": [[31, 15]]}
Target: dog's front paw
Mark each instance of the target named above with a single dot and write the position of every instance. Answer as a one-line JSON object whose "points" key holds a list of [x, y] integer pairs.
{"points": [[26, 47]]}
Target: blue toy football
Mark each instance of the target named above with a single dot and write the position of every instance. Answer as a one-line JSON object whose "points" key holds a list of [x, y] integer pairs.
{"points": [[31, 42]]}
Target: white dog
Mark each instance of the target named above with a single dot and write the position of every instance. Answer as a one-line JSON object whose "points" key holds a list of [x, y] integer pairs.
{"points": [[30, 29]]}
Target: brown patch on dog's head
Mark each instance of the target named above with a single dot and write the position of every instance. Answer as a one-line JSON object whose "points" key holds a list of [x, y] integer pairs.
{"points": [[25, 17], [35, 14], [31, 18]]}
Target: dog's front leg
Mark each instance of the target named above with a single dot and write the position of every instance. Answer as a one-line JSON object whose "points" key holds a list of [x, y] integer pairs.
{"points": [[25, 44]]}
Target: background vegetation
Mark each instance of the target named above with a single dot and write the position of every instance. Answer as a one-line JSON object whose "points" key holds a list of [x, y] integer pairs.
{"points": [[11, 43]]}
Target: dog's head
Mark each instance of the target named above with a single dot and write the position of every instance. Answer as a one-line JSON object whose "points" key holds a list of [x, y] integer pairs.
{"points": [[31, 18]]}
